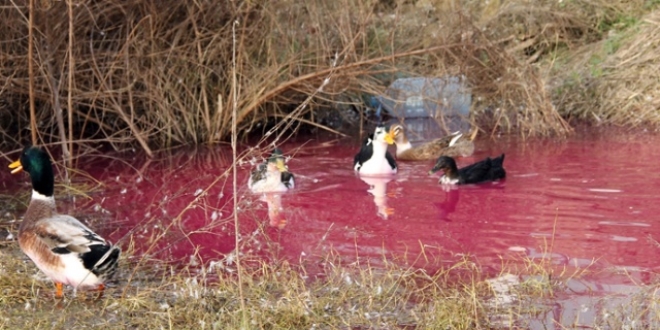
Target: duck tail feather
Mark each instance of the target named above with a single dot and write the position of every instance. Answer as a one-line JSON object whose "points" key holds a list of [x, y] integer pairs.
{"points": [[498, 161], [455, 138]]}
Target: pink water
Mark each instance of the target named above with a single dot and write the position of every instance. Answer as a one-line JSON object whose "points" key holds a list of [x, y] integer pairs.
{"points": [[589, 200]]}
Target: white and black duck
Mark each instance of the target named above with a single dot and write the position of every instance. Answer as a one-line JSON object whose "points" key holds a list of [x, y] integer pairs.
{"points": [[373, 157]]}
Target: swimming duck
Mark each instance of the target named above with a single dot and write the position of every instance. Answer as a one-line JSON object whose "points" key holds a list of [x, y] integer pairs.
{"points": [[453, 145], [489, 169], [373, 157], [272, 175], [66, 250]]}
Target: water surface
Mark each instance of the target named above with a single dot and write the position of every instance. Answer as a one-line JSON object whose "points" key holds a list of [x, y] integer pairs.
{"points": [[588, 201]]}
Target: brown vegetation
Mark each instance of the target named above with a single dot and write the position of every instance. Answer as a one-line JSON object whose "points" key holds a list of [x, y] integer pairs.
{"points": [[616, 80], [158, 73]]}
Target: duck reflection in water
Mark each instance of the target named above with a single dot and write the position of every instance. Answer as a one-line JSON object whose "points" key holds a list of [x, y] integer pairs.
{"points": [[275, 209], [378, 188], [448, 206]]}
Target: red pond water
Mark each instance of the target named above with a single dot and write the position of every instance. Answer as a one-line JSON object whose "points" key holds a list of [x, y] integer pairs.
{"points": [[593, 196]]}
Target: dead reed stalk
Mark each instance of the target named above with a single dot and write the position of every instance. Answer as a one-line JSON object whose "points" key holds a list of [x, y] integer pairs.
{"points": [[149, 72]]}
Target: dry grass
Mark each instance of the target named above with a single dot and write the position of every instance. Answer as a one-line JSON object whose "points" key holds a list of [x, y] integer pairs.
{"points": [[615, 81], [278, 296], [157, 73], [281, 296]]}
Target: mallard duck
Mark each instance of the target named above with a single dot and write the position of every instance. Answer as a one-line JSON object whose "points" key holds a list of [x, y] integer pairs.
{"points": [[67, 251], [272, 175], [453, 145], [373, 157], [489, 169]]}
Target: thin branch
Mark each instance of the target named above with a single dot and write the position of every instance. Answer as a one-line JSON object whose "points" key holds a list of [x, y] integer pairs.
{"points": [[234, 138], [70, 80], [33, 116]]}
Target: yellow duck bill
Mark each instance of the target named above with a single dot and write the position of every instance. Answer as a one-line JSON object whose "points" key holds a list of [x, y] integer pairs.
{"points": [[16, 167]]}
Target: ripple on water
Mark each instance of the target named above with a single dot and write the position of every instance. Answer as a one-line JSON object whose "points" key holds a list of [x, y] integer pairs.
{"points": [[572, 193]]}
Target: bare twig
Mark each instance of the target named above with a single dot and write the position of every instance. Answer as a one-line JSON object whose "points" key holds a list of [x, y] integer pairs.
{"points": [[57, 108], [234, 138], [33, 116], [72, 65]]}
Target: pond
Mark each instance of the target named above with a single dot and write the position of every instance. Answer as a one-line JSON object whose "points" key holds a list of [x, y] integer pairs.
{"points": [[587, 202]]}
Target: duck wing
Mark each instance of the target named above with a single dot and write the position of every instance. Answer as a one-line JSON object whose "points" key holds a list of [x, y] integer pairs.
{"points": [[432, 149], [258, 174], [489, 169], [365, 153], [496, 173], [439, 143], [287, 179], [64, 234], [497, 170], [476, 172], [462, 148], [390, 160]]}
